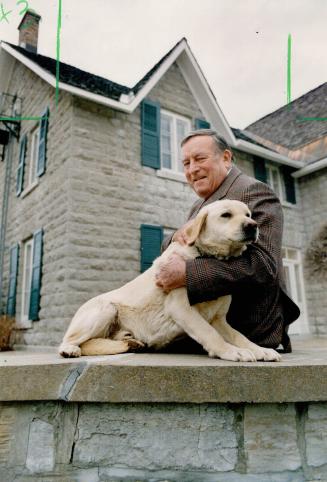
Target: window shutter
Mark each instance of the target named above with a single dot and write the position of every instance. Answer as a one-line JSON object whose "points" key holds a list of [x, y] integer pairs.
{"points": [[150, 122], [21, 165], [11, 301], [260, 171], [201, 124], [36, 276], [151, 239], [42, 151], [289, 184]]}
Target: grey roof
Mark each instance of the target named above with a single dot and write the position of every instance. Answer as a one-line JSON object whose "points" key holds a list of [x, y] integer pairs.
{"points": [[85, 80], [287, 126], [245, 136]]}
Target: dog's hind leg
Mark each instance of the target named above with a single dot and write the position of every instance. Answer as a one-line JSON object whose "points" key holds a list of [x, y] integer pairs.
{"points": [[91, 321]]}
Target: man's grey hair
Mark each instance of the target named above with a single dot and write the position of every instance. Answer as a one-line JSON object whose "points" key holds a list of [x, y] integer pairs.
{"points": [[220, 141]]}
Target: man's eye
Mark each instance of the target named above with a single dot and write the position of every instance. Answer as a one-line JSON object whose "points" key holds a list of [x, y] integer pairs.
{"points": [[226, 215]]}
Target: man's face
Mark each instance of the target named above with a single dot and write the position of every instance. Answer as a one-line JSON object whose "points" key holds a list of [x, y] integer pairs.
{"points": [[205, 168]]}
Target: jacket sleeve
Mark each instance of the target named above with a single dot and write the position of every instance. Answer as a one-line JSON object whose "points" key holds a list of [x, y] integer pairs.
{"points": [[209, 278]]}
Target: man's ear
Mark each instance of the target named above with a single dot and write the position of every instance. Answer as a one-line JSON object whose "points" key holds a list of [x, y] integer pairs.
{"points": [[193, 230]]}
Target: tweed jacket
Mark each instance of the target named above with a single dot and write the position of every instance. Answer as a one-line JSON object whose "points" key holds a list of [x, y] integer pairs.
{"points": [[260, 308]]}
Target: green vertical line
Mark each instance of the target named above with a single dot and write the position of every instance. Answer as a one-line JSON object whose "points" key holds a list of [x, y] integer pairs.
{"points": [[58, 52], [289, 53]]}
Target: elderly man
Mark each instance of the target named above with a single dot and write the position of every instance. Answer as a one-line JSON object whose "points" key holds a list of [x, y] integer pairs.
{"points": [[260, 308]]}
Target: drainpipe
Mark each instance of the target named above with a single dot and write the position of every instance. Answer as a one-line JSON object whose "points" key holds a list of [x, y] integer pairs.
{"points": [[4, 212]]}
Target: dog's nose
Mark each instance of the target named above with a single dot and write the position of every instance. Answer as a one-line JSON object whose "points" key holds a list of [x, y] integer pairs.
{"points": [[250, 230]]}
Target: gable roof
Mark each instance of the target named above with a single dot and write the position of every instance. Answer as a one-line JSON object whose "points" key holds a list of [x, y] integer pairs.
{"points": [[127, 99], [287, 126]]}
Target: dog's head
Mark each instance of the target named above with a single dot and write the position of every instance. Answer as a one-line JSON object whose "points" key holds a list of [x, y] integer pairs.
{"points": [[223, 229]]}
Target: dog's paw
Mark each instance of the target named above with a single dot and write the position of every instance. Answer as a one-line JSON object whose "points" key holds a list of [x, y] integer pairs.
{"points": [[267, 354], [233, 353], [70, 351], [134, 345]]}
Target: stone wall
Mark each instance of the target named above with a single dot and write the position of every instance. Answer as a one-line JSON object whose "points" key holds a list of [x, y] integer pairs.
{"points": [[44, 206], [313, 192], [52, 441]]}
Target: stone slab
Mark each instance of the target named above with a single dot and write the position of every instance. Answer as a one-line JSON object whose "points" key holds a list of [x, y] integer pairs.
{"points": [[158, 377]]}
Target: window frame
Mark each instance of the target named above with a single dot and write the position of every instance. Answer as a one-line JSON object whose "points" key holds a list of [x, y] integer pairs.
{"points": [[174, 142], [296, 283], [24, 321], [34, 135], [281, 184]]}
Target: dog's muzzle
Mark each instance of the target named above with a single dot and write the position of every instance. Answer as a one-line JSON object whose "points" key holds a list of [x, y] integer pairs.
{"points": [[250, 231]]}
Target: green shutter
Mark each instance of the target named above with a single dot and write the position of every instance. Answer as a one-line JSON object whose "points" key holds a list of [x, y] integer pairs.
{"points": [[260, 171], [21, 165], [42, 151], [201, 124], [36, 276], [151, 239], [11, 300], [289, 184], [150, 122]]}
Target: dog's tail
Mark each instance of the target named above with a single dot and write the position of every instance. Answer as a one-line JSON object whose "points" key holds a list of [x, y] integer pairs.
{"points": [[105, 346]]}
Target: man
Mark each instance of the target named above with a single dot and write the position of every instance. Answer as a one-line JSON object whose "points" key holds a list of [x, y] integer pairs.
{"points": [[260, 308]]}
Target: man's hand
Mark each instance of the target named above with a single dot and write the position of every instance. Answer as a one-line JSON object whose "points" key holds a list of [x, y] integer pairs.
{"points": [[172, 274]]}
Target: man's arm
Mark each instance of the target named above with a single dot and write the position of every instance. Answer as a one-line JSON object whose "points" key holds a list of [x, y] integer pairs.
{"points": [[208, 278]]}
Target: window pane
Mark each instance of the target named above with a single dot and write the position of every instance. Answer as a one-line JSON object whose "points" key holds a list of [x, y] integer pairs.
{"points": [[166, 161], [27, 278], [287, 279], [165, 141], [298, 283], [182, 128]]}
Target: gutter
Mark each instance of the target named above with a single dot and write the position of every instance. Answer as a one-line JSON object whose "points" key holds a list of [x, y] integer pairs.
{"points": [[310, 168], [267, 154]]}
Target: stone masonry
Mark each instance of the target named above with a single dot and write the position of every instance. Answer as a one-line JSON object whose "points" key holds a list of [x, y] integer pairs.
{"points": [[50, 441]]}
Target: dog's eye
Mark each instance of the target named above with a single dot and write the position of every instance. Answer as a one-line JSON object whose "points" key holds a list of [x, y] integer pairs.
{"points": [[248, 215], [226, 215]]}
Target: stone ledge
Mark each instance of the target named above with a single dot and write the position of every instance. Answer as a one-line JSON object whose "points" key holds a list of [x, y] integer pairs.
{"points": [[41, 374]]}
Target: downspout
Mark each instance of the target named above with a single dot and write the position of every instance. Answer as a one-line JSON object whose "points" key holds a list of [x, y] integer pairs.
{"points": [[4, 213]]}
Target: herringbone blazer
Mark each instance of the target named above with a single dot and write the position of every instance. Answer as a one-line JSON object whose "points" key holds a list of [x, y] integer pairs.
{"points": [[260, 308]]}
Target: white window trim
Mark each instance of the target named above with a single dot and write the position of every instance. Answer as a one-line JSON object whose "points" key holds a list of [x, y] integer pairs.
{"points": [[301, 325], [281, 195], [174, 152], [35, 137], [24, 321], [172, 175]]}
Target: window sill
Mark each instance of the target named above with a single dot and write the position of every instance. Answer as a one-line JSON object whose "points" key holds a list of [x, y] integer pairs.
{"points": [[172, 175], [286, 204], [23, 324], [29, 189], [161, 377]]}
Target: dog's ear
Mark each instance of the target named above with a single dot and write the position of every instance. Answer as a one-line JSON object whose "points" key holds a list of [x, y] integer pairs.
{"points": [[194, 229]]}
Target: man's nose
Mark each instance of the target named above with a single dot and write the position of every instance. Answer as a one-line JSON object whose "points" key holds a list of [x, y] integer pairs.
{"points": [[194, 167]]}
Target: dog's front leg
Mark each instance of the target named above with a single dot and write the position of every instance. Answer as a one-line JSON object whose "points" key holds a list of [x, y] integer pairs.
{"points": [[236, 338], [189, 319]]}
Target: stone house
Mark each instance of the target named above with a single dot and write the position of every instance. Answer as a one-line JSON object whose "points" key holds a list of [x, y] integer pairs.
{"points": [[299, 131], [90, 183]]}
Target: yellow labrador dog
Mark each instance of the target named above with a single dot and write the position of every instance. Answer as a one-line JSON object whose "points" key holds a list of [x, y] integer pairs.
{"points": [[140, 313]]}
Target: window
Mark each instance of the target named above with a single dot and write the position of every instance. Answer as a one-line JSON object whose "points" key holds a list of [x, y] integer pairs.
{"points": [[294, 283], [279, 178], [274, 181], [33, 155], [173, 128], [27, 280]]}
